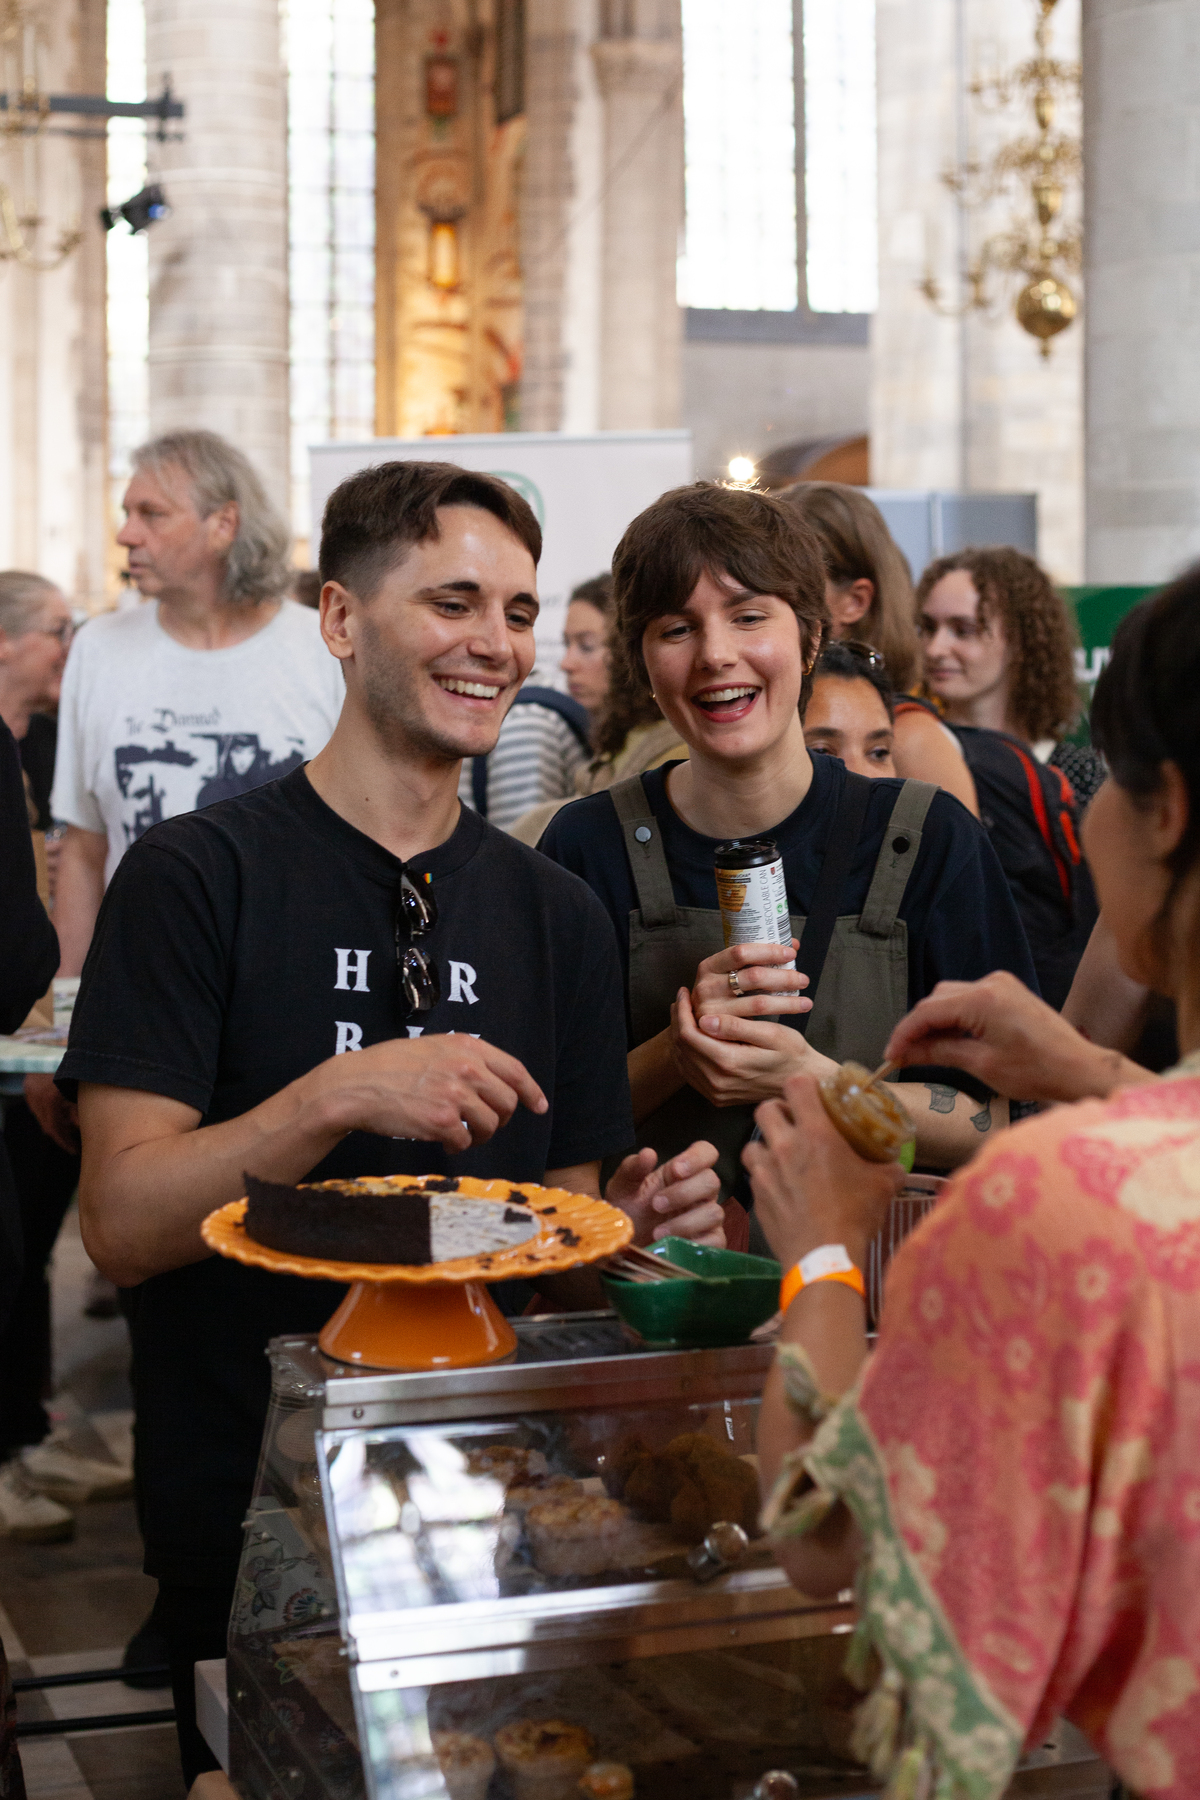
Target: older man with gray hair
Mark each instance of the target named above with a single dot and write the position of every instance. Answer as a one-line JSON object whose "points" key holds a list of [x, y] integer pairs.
{"points": [[218, 685]]}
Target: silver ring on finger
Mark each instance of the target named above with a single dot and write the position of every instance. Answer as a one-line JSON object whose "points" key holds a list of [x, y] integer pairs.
{"points": [[735, 985]]}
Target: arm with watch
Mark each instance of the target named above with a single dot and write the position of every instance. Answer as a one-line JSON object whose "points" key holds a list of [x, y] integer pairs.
{"points": [[820, 1205]]}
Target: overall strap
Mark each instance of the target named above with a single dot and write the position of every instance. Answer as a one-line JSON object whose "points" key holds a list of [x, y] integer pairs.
{"points": [[647, 859], [823, 913], [897, 858]]}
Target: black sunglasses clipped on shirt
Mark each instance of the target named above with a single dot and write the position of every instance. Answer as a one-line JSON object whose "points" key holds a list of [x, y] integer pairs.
{"points": [[418, 986]]}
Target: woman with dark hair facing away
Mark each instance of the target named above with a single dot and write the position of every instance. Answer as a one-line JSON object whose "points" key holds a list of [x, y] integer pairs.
{"points": [[1012, 1473], [891, 885], [999, 660], [850, 713], [869, 594]]}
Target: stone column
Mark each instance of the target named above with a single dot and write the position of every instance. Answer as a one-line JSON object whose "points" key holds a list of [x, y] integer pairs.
{"points": [[547, 195], [639, 70], [53, 504], [1141, 68], [218, 265]]}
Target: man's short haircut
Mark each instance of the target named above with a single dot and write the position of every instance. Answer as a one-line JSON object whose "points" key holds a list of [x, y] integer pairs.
{"points": [[372, 518], [751, 537], [258, 564], [23, 596]]}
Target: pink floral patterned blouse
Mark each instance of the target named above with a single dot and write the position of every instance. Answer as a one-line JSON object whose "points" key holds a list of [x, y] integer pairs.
{"points": [[1022, 1455]]}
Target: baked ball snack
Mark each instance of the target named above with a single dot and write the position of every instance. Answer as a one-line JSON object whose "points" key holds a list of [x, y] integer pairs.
{"points": [[466, 1763], [690, 1486], [508, 1463], [607, 1781], [578, 1534], [544, 1757]]}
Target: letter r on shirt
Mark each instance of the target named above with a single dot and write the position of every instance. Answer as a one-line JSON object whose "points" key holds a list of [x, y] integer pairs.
{"points": [[462, 983], [349, 1036], [352, 962]]}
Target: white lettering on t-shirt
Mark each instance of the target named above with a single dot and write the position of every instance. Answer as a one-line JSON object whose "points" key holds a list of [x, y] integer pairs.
{"points": [[414, 1030], [352, 962], [462, 983], [349, 1036]]}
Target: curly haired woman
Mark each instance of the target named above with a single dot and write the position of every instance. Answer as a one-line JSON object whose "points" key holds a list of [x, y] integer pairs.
{"points": [[1000, 652]]}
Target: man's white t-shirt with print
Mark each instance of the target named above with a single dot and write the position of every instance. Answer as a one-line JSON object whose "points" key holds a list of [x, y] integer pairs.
{"points": [[148, 728]]}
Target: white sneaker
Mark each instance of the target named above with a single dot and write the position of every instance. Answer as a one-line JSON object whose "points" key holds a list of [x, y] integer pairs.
{"points": [[27, 1515], [55, 1469]]}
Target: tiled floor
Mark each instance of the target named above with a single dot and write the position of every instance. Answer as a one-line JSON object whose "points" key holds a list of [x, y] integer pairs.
{"points": [[75, 1606]]}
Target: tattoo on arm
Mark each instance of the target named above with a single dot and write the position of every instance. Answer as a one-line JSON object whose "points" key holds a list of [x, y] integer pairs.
{"points": [[941, 1098], [982, 1120]]}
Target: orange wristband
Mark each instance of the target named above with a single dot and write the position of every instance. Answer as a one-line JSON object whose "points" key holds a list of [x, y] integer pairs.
{"points": [[828, 1263]]}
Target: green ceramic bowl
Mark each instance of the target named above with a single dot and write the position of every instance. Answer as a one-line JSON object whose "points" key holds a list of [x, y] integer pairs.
{"points": [[735, 1295]]}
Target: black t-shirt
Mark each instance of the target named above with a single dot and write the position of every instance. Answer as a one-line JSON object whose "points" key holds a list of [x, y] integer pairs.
{"points": [[237, 948], [37, 759], [961, 920]]}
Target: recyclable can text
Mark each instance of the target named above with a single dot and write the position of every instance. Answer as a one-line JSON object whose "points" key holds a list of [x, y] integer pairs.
{"points": [[752, 894]]}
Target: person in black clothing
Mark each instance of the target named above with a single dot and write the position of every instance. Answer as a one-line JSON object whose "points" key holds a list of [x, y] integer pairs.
{"points": [[999, 661], [341, 973], [39, 1134], [720, 611], [28, 959]]}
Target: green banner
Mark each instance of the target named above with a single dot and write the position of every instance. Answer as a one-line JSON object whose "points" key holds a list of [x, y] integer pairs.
{"points": [[1098, 612]]}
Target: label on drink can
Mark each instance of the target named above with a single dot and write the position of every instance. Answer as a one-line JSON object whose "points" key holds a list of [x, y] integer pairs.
{"points": [[754, 905]]}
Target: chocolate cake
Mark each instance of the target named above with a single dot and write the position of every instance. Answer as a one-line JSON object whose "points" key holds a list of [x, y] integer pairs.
{"points": [[383, 1219], [339, 1221]]}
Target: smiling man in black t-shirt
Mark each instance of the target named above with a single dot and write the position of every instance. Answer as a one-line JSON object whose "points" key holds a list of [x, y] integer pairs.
{"points": [[269, 989]]}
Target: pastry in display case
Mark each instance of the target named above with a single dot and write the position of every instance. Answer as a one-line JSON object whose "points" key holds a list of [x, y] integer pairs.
{"points": [[537, 1581]]}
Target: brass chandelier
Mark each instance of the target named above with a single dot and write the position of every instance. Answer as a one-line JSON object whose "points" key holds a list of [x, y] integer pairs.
{"points": [[1046, 166]]}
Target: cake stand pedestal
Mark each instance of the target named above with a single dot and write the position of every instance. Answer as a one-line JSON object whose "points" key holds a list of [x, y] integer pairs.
{"points": [[382, 1325], [437, 1315]]}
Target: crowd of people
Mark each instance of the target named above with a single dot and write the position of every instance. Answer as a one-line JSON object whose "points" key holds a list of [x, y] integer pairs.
{"points": [[351, 889]]}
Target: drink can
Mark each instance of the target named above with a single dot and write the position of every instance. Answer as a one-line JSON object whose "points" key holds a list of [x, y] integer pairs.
{"points": [[752, 894]]}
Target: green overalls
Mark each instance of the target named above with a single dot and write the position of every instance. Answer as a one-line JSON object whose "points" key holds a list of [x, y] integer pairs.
{"points": [[860, 991]]}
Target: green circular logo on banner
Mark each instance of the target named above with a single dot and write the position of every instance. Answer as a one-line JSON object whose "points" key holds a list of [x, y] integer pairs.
{"points": [[528, 490]]}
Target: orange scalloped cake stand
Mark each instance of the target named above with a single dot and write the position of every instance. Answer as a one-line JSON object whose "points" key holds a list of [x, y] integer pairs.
{"points": [[437, 1315]]}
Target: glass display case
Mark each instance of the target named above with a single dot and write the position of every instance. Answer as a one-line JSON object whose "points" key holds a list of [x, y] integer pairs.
{"points": [[484, 1583]]}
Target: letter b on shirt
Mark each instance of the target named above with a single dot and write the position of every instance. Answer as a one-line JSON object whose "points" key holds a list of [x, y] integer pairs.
{"points": [[352, 970]]}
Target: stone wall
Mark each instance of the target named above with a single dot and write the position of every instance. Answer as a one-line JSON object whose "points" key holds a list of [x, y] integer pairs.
{"points": [[218, 265]]}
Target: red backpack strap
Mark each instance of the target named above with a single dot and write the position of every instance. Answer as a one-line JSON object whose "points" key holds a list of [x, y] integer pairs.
{"points": [[1037, 799]]}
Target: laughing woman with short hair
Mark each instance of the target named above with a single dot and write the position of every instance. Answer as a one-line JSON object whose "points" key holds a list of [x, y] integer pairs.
{"points": [[892, 886]]}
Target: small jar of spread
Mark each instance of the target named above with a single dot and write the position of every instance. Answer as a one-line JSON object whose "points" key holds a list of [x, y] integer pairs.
{"points": [[869, 1116]]}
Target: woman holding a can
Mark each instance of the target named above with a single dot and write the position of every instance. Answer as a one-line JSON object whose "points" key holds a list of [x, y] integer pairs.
{"points": [[890, 886]]}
